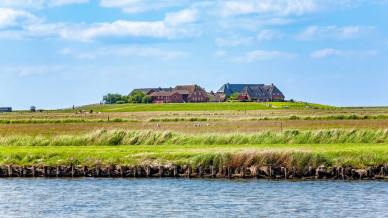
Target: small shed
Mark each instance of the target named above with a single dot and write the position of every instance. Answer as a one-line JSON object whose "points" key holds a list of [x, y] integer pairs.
{"points": [[5, 109]]}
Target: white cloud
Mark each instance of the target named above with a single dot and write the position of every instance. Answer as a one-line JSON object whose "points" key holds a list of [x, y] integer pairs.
{"points": [[263, 55], [181, 17], [11, 17], [133, 51], [39, 3], [33, 70], [234, 41], [91, 32], [279, 7], [331, 52], [122, 28], [267, 35], [140, 6], [55, 3], [335, 32]]}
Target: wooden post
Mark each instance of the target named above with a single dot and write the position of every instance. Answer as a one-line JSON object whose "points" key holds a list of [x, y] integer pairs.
{"points": [[285, 172], [72, 170], [58, 172], [121, 171], [161, 171], [148, 171], [97, 170], [256, 172], [342, 173], [175, 173], [188, 171], [200, 171], [85, 169], [45, 171], [270, 171], [134, 172], [212, 171], [229, 172], [9, 170], [33, 171]]}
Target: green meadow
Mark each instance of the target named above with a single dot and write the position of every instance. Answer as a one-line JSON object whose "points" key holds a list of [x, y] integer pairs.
{"points": [[233, 106], [233, 133]]}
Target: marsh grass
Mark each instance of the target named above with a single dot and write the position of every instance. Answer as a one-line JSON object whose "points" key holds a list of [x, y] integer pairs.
{"points": [[298, 156], [150, 137]]}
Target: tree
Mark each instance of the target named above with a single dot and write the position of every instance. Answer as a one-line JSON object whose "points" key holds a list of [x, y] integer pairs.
{"points": [[112, 98], [136, 97], [234, 96], [146, 100]]}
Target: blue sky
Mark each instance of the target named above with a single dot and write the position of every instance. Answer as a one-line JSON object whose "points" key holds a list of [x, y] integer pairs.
{"points": [[56, 53]]}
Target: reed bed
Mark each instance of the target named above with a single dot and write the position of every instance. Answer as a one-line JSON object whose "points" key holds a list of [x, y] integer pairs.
{"points": [[150, 137], [298, 156]]}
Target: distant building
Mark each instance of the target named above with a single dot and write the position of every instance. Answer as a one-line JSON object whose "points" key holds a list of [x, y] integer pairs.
{"points": [[179, 94], [167, 97], [33, 109], [5, 109], [252, 92], [195, 93]]}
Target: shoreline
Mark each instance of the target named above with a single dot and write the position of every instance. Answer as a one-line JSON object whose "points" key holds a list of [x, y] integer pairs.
{"points": [[187, 171]]}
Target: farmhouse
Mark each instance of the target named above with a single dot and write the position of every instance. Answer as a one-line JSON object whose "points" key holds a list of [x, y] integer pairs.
{"points": [[5, 109], [179, 94], [252, 92], [149, 91], [195, 93]]}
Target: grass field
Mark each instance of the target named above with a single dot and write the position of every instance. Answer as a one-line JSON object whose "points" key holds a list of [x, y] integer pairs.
{"points": [[289, 134], [234, 106], [299, 156]]}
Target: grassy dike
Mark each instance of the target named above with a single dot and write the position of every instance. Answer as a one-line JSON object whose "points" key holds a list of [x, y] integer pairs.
{"points": [[299, 149], [298, 156], [224, 106]]}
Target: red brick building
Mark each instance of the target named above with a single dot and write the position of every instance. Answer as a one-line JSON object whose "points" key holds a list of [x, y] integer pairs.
{"points": [[179, 94], [167, 97], [196, 93]]}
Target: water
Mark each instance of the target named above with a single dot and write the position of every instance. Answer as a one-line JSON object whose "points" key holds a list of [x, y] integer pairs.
{"points": [[190, 198]]}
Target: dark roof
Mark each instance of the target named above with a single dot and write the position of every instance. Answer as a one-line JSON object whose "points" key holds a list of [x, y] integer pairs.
{"points": [[144, 90], [190, 88], [228, 89], [273, 90], [162, 93], [253, 90]]}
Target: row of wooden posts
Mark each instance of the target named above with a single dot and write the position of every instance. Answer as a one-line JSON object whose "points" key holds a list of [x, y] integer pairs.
{"points": [[269, 172]]}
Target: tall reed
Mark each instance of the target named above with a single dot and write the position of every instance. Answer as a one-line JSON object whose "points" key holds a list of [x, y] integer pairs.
{"points": [[150, 137]]}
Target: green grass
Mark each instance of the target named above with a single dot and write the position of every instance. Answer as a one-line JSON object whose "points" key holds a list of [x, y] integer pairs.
{"points": [[299, 156], [233, 106], [150, 137]]}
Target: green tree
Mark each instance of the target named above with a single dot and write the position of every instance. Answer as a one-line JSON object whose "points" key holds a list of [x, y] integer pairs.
{"points": [[136, 97], [112, 98], [146, 99], [234, 96]]}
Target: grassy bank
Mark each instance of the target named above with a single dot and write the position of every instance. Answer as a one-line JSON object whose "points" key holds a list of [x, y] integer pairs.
{"points": [[225, 106], [122, 137], [299, 156]]}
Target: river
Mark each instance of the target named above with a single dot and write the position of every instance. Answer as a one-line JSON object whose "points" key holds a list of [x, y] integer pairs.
{"points": [[191, 198]]}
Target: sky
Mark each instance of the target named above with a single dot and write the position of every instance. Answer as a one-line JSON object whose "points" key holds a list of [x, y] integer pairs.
{"points": [[59, 53]]}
